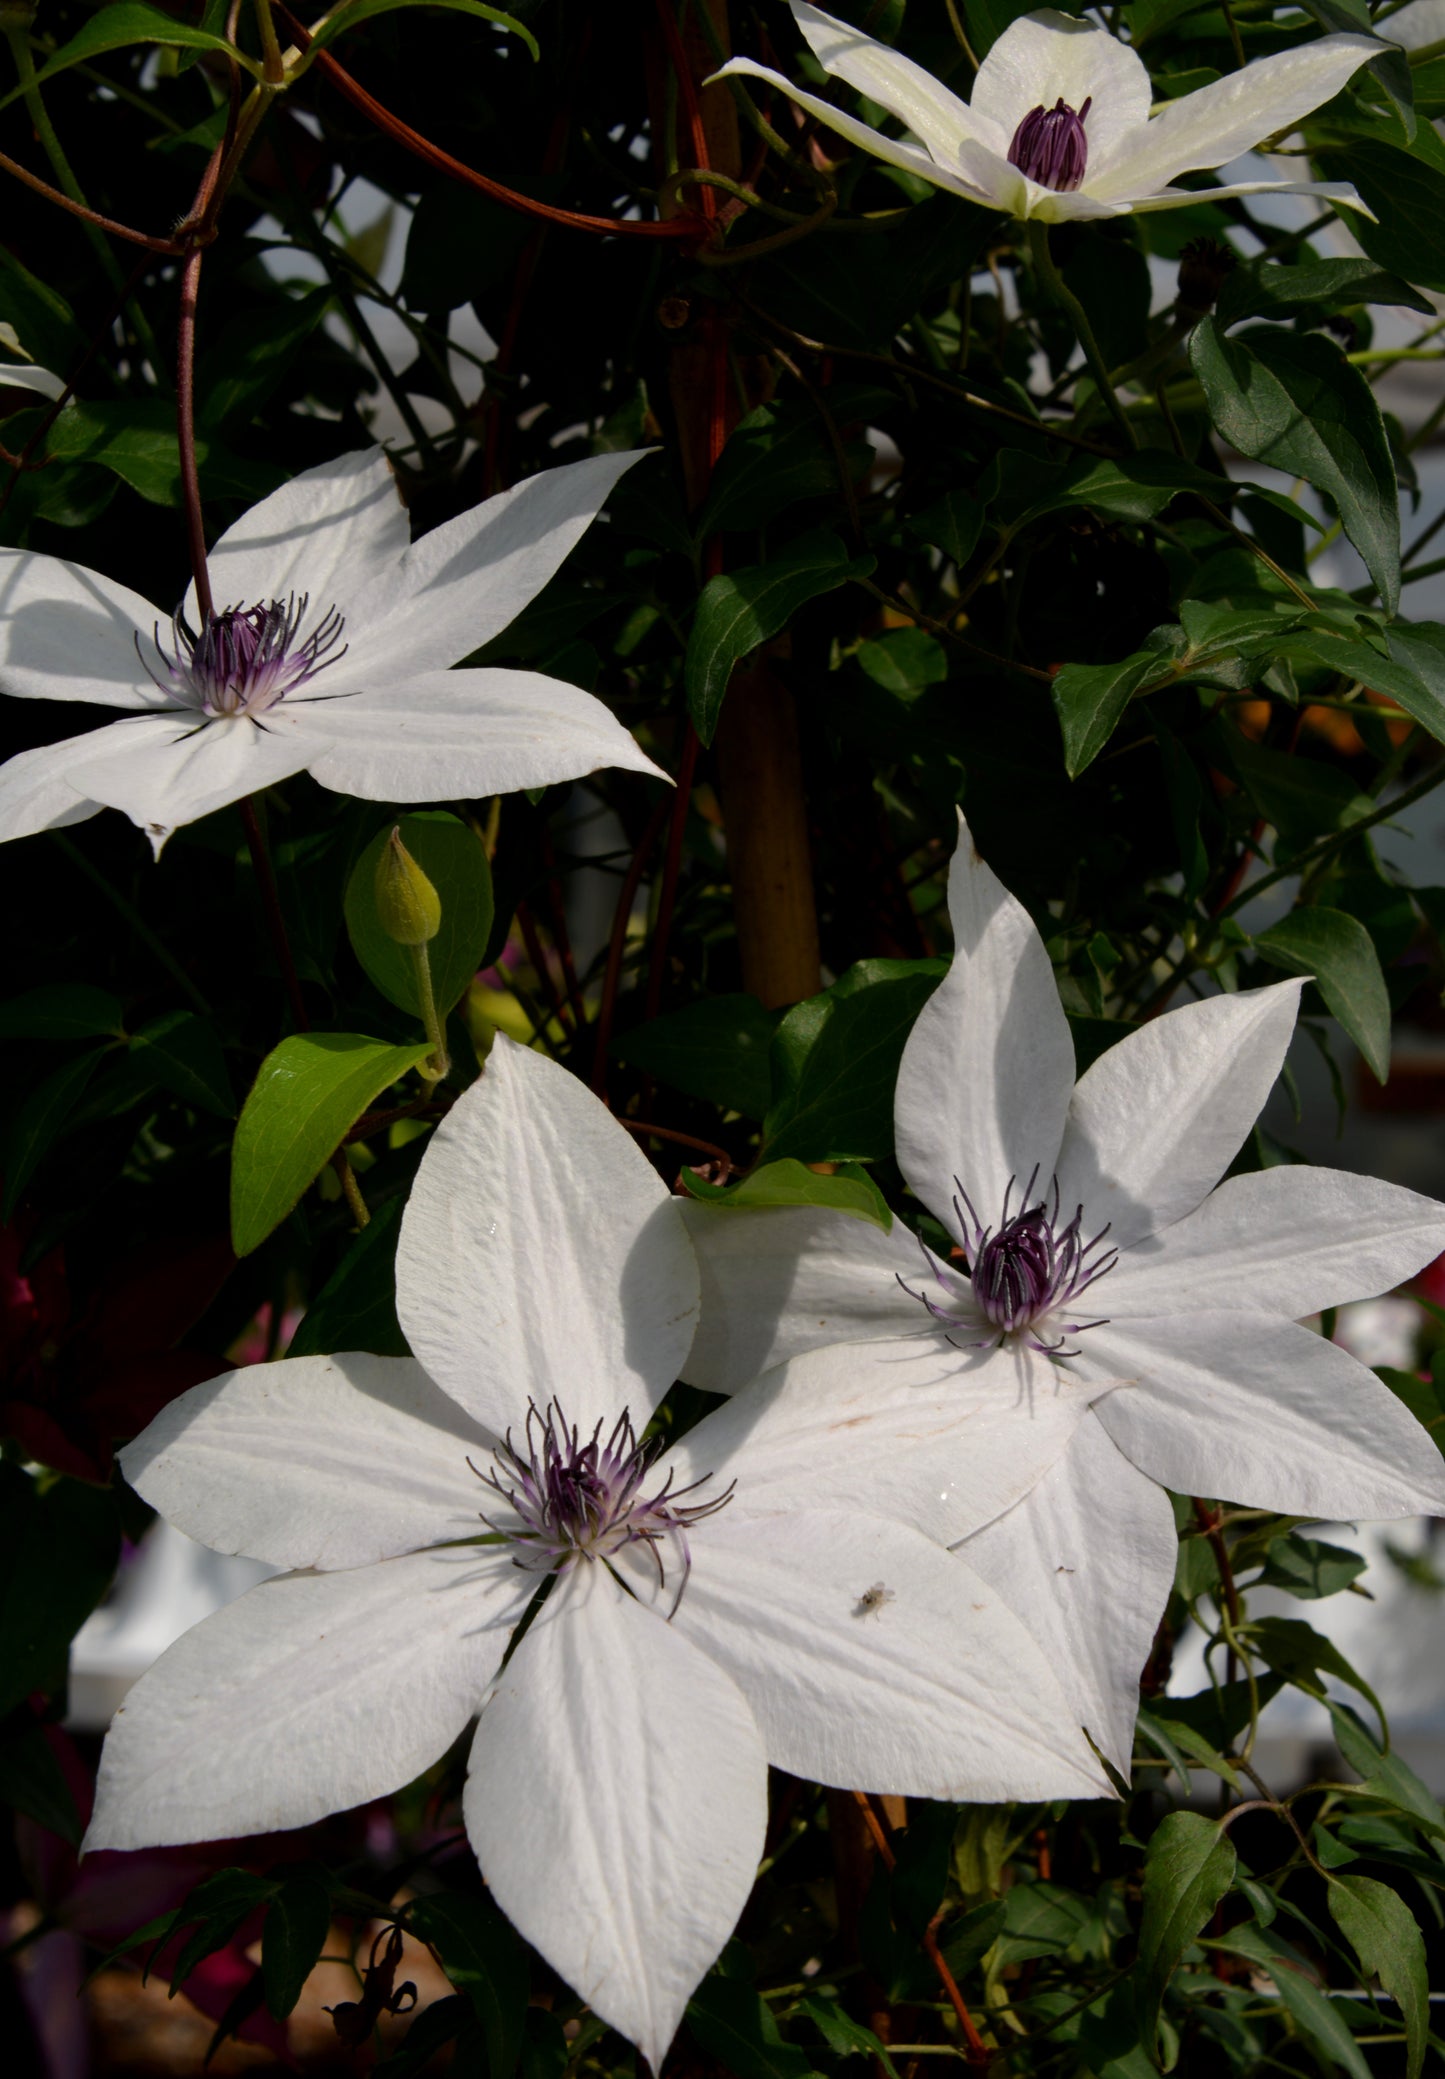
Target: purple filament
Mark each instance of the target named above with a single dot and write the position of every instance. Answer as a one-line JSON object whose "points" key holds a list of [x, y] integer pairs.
{"points": [[1050, 146], [246, 658]]}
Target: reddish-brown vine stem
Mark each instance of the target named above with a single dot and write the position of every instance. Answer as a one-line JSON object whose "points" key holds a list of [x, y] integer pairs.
{"points": [[171, 247], [977, 2048], [617, 944], [645, 1127]]}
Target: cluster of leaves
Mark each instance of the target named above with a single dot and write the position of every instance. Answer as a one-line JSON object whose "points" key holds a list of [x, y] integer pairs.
{"points": [[923, 540]]}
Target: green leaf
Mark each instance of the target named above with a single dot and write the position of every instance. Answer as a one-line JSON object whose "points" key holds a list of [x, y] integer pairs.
{"points": [[449, 2020], [128, 22], [1265, 289], [452, 857], [214, 1911], [716, 1050], [904, 662], [1425, 1398], [136, 439], [33, 1782], [1302, 798], [1381, 1930], [743, 608], [1340, 954], [1385, 1776], [337, 23], [38, 1120], [1127, 487], [1297, 1652], [58, 1547], [1090, 700], [67, 1010], [1292, 400], [1040, 1920], [777, 455], [43, 320], [309, 1091], [844, 2036], [952, 523], [1188, 1869], [734, 2025], [1317, 2017], [1309, 1568], [298, 1920], [356, 1307], [835, 1062], [790, 1183], [1413, 674], [183, 1054], [485, 1960], [972, 1935], [1408, 197], [236, 376]]}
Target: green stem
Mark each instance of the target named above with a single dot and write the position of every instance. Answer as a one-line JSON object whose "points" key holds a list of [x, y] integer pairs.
{"points": [[437, 1067], [1064, 296]]}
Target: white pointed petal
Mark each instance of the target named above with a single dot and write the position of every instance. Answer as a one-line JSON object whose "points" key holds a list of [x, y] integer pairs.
{"points": [[1230, 116], [1157, 1120], [945, 1439], [1281, 1241], [1046, 57], [940, 1692], [337, 533], [312, 1693], [934, 115], [163, 770], [469, 578], [891, 150], [542, 1256], [617, 1803], [318, 1462], [1050, 206], [987, 1071], [24, 375], [1265, 1414], [1338, 193], [67, 633], [35, 789], [447, 734], [1087, 1560], [780, 1282]]}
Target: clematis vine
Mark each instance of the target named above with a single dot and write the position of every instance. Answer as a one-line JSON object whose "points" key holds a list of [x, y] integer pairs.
{"points": [[330, 657], [1092, 1235], [1059, 122], [641, 1625]]}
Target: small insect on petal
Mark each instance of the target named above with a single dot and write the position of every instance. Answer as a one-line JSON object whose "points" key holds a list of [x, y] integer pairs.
{"points": [[870, 1602]]}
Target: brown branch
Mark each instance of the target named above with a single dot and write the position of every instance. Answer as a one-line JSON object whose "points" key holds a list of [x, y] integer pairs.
{"points": [[171, 247], [977, 2048]]}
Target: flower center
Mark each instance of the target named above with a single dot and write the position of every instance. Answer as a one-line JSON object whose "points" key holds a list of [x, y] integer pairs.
{"points": [[1050, 146], [573, 1500], [1022, 1274], [246, 658]]}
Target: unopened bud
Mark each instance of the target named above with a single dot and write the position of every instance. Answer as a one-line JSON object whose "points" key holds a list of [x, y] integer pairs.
{"points": [[1204, 265], [407, 905]]}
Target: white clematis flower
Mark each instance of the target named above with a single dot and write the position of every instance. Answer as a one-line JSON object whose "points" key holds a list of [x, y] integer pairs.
{"points": [[1059, 123], [329, 656], [19, 372], [705, 1614], [1093, 1235]]}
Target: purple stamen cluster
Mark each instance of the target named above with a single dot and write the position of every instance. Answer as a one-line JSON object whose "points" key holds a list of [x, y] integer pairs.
{"points": [[1050, 146], [575, 1500], [1024, 1272], [246, 658]]}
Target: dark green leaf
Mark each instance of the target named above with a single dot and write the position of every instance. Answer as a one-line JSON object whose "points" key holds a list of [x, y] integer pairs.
{"points": [[484, 1959], [43, 320], [238, 374], [1308, 1568], [1317, 2017], [341, 19], [68, 1010], [1265, 289], [733, 2025], [1188, 1869], [1090, 700], [1041, 1920], [213, 1912], [450, 2020], [744, 608], [835, 1062], [37, 1120], [137, 440], [128, 22], [716, 1050], [952, 523], [1126, 487], [33, 1782], [1381, 1930], [356, 1307], [1425, 1398], [452, 857], [844, 2036], [1408, 197], [778, 454], [545, 2048], [1385, 1776], [904, 662], [309, 1091], [1292, 400], [1302, 798], [1339, 953], [298, 1920], [58, 1547], [972, 1935], [788, 1183], [1297, 1652], [181, 1052]]}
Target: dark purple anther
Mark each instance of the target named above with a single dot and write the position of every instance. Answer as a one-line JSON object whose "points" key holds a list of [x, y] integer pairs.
{"points": [[573, 1500], [247, 658], [1050, 146]]}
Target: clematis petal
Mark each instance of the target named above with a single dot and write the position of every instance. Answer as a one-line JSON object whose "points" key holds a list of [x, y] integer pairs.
{"points": [[450, 734], [1230, 116], [940, 1692], [1047, 57], [943, 1438], [1282, 1241], [163, 772], [320, 1462], [310, 1694], [469, 578], [891, 150], [617, 1802], [24, 375], [67, 633], [939, 119], [1087, 1559], [1157, 1120], [986, 1074], [779, 1282], [541, 1254], [1338, 193], [35, 789], [337, 532], [1263, 1413]]}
